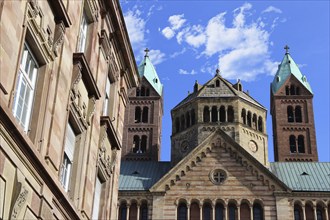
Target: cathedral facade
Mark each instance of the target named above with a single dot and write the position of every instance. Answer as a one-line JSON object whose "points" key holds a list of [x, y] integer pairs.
{"points": [[219, 168]]}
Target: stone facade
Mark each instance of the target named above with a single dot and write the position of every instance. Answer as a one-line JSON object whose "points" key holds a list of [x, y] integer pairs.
{"points": [[66, 68]]}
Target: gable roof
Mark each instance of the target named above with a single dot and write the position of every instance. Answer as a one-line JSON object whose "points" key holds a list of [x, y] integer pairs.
{"points": [[147, 70], [226, 89], [141, 175], [202, 148], [303, 176], [285, 69]]}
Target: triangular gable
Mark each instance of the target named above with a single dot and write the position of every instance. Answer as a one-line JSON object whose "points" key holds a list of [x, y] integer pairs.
{"points": [[219, 140], [292, 79]]}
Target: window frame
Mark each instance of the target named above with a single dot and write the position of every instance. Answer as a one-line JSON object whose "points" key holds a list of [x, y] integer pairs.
{"points": [[83, 32]]}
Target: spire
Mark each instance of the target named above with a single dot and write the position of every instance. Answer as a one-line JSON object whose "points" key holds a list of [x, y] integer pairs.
{"points": [[287, 68], [147, 70]]}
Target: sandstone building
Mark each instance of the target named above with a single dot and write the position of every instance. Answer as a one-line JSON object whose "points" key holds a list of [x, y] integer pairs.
{"points": [[66, 67]]}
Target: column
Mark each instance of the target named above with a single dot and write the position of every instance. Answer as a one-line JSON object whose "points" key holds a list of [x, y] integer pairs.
{"points": [[200, 212], [188, 211], [239, 212], [303, 211], [138, 211], [127, 213], [219, 115], [226, 116], [210, 109], [315, 214], [251, 211], [213, 211], [326, 212], [226, 212], [117, 215]]}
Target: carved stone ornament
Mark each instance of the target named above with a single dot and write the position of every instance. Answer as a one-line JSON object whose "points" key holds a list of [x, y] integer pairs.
{"points": [[76, 78], [20, 201], [58, 36], [91, 110]]}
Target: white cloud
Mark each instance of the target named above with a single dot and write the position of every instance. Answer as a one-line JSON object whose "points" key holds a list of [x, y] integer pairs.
{"points": [[175, 54], [272, 9], [176, 21], [156, 56], [185, 72], [168, 32], [136, 27], [239, 18], [195, 37]]}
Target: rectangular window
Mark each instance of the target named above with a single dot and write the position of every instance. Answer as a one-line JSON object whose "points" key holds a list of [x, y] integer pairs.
{"points": [[107, 97], [69, 146], [25, 88], [97, 198], [83, 34]]}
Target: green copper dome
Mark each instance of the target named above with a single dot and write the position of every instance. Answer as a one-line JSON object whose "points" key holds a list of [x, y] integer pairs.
{"points": [[147, 70], [285, 69]]}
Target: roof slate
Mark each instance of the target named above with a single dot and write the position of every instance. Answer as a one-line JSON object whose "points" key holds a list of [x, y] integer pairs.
{"points": [[303, 176], [141, 175], [285, 69]]}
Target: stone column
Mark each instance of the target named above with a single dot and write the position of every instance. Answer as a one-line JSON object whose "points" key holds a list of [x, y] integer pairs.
{"points": [[117, 213], [303, 212], [238, 212], [226, 212], [213, 211], [326, 212], [127, 213], [138, 212], [226, 116], [315, 214], [210, 114], [251, 212], [188, 211], [219, 115], [200, 212]]}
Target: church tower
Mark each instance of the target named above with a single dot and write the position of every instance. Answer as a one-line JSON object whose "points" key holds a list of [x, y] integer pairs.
{"points": [[292, 114], [143, 116]]}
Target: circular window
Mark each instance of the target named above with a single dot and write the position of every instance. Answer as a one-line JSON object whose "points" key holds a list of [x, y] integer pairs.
{"points": [[184, 146], [218, 176]]}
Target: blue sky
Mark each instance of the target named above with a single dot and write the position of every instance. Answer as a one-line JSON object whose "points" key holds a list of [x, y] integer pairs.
{"points": [[188, 40]]}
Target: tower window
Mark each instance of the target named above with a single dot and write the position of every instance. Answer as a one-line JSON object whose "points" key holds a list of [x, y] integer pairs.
{"points": [[217, 83], [290, 113], [257, 212], [297, 91], [301, 144], [292, 90], [297, 113], [136, 144], [249, 122], [145, 114], [292, 141], [182, 211], [143, 91], [230, 113], [137, 114], [287, 90], [144, 144], [222, 114], [193, 117], [147, 92], [214, 114], [207, 211], [260, 124], [232, 211], [254, 121], [177, 124], [219, 211], [206, 114], [182, 122], [243, 115], [188, 119]]}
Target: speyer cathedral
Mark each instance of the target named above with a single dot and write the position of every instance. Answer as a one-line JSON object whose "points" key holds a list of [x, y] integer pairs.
{"points": [[81, 123]]}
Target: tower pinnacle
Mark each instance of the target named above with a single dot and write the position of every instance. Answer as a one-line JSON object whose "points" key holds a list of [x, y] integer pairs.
{"points": [[286, 49], [146, 51]]}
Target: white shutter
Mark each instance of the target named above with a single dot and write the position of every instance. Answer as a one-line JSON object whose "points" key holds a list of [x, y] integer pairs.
{"points": [[69, 142]]}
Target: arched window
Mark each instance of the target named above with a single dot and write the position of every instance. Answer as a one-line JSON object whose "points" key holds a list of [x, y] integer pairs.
{"points": [[214, 114], [143, 91], [230, 114], [245, 211], [217, 83], [136, 144], [137, 92], [292, 140], [290, 113], [206, 114], [301, 144], [182, 211], [133, 211], [144, 211], [137, 114], [143, 144], [309, 211], [207, 211], [319, 213], [257, 212], [260, 124], [243, 116], [194, 211], [177, 124], [122, 212], [249, 119], [219, 211], [145, 114], [287, 90], [292, 90], [187, 119], [147, 92], [222, 114], [232, 211], [254, 121], [297, 91], [182, 123], [193, 120], [297, 212], [297, 113]]}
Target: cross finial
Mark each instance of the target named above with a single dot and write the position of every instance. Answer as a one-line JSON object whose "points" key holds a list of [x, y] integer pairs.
{"points": [[286, 49], [147, 51], [217, 72]]}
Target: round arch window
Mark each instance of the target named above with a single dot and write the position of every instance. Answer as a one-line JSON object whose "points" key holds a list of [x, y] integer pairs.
{"points": [[218, 176]]}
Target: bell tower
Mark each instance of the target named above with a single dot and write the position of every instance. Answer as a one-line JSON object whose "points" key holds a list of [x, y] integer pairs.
{"points": [[292, 114], [143, 116]]}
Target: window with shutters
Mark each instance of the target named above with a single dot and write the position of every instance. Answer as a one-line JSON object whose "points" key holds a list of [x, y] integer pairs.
{"points": [[25, 88], [69, 147]]}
